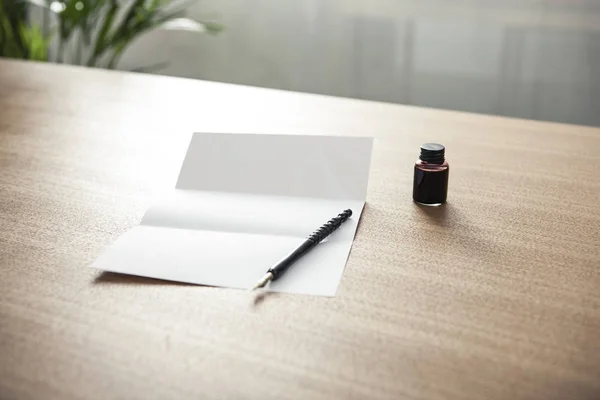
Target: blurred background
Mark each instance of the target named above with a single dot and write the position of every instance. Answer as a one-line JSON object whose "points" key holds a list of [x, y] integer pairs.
{"points": [[536, 59]]}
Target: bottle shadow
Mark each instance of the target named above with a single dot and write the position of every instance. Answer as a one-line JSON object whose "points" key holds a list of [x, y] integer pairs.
{"points": [[458, 229], [442, 215]]}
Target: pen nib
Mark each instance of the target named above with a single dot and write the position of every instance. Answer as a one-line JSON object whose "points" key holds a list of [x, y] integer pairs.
{"points": [[263, 282]]}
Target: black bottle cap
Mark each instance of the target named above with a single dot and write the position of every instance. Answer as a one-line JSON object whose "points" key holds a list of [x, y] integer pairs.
{"points": [[433, 153]]}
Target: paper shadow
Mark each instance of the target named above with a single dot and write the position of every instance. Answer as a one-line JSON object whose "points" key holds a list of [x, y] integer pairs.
{"points": [[113, 278]]}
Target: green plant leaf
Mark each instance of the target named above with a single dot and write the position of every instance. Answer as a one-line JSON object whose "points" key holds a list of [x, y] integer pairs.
{"points": [[36, 42], [129, 19], [16, 20], [100, 45], [104, 29]]}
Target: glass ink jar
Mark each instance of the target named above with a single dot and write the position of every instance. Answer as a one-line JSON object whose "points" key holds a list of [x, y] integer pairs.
{"points": [[430, 185]]}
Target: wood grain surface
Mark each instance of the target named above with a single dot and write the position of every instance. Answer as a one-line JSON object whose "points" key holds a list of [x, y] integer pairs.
{"points": [[494, 296]]}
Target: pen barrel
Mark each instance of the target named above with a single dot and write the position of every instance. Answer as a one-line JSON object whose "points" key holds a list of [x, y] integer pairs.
{"points": [[314, 239], [287, 262]]}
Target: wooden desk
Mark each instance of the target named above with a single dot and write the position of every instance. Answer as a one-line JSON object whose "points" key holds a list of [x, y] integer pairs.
{"points": [[494, 296]]}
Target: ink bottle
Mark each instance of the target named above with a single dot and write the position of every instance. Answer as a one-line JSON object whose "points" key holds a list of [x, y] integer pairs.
{"points": [[430, 185]]}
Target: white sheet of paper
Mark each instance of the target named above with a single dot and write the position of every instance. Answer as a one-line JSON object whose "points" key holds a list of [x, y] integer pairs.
{"points": [[243, 202]]}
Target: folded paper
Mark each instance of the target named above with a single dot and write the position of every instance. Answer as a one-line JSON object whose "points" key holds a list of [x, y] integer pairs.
{"points": [[241, 203]]}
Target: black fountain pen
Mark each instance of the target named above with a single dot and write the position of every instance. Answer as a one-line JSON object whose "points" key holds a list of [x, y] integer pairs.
{"points": [[317, 237]]}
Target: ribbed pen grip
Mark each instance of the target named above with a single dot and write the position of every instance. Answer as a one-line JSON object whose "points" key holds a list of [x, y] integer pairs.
{"points": [[329, 227]]}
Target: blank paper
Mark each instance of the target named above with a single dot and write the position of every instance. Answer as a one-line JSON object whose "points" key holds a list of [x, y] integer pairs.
{"points": [[243, 202]]}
